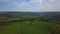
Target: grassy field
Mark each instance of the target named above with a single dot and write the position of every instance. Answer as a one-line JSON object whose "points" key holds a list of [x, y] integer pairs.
{"points": [[11, 29], [37, 27], [29, 23]]}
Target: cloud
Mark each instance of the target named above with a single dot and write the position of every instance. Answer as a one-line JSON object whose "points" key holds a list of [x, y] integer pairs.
{"points": [[38, 5], [34, 5]]}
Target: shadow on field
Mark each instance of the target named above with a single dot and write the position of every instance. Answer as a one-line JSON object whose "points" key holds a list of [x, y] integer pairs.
{"points": [[20, 21]]}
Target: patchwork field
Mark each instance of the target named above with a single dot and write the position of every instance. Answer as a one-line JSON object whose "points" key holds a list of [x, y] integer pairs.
{"points": [[29, 23]]}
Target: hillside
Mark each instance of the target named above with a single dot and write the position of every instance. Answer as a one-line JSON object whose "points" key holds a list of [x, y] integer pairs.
{"points": [[29, 23]]}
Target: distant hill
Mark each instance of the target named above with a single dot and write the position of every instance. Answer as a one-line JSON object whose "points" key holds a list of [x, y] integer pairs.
{"points": [[51, 16]]}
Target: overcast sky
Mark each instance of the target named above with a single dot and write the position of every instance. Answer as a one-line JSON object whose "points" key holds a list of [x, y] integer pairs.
{"points": [[29, 5]]}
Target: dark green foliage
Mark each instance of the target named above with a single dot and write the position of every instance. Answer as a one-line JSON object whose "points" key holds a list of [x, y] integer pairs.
{"points": [[51, 16], [30, 23]]}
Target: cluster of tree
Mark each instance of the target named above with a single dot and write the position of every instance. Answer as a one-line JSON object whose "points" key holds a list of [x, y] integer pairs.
{"points": [[51, 16]]}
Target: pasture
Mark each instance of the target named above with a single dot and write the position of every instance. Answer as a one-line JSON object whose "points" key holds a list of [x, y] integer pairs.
{"points": [[17, 23], [37, 27]]}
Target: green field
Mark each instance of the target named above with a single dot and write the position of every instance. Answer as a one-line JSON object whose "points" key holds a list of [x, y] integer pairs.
{"points": [[37, 27], [29, 23]]}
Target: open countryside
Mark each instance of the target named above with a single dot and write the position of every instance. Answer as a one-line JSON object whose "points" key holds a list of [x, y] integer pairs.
{"points": [[29, 23]]}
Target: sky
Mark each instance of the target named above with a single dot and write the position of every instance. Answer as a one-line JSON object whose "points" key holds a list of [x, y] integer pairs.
{"points": [[30, 5]]}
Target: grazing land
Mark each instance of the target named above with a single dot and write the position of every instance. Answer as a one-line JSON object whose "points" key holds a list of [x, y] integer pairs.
{"points": [[26, 23]]}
